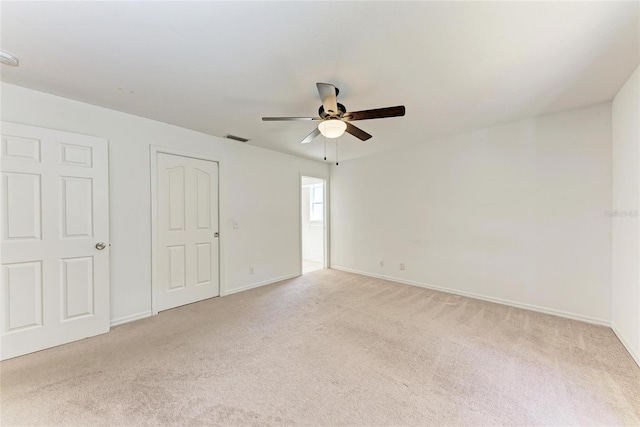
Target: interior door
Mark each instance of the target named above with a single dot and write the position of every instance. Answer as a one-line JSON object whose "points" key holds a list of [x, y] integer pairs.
{"points": [[55, 206], [187, 210]]}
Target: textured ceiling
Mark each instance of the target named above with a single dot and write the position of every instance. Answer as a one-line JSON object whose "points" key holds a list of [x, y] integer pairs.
{"points": [[218, 67]]}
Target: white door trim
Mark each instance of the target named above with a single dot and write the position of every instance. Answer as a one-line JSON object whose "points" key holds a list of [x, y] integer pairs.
{"points": [[154, 150], [326, 224]]}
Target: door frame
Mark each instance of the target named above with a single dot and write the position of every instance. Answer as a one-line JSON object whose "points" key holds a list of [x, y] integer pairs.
{"points": [[154, 150], [325, 235]]}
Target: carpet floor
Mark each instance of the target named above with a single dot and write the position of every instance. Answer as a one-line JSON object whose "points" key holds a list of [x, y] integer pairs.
{"points": [[331, 348]]}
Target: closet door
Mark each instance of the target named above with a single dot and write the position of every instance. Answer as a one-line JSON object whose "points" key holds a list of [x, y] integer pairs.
{"points": [[187, 209]]}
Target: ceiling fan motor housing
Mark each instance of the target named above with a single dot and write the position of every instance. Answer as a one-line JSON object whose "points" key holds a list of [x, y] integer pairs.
{"points": [[325, 115]]}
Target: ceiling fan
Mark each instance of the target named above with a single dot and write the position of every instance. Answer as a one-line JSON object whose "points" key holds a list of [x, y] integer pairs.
{"points": [[334, 118]]}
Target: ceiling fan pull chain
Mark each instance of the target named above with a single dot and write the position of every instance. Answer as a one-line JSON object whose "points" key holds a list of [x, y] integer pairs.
{"points": [[325, 147], [337, 150]]}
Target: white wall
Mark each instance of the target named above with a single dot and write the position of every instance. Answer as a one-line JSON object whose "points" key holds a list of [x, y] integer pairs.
{"points": [[625, 313], [514, 213], [262, 194]]}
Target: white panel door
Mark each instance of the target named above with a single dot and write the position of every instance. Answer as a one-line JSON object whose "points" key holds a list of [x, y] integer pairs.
{"points": [[187, 230], [55, 207]]}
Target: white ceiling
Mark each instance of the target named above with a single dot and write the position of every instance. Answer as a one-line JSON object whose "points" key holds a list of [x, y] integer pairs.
{"points": [[218, 67]]}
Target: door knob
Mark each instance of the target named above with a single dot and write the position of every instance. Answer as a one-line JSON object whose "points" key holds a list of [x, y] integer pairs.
{"points": [[100, 246]]}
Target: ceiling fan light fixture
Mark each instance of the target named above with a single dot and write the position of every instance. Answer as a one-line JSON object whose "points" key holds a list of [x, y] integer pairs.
{"points": [[332, 128]]}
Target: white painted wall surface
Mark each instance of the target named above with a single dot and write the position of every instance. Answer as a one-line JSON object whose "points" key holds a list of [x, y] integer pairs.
{"points": [[625, 313], [262, 194], [514, 213]]}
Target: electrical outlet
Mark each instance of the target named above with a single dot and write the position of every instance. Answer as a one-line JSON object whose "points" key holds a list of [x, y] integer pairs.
{"points": [[402, 266], [381, 263], [250, 270]]}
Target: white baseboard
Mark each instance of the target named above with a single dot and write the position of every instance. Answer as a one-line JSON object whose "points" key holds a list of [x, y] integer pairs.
{"points": [[258, 284], [539, 309], [144, 314], [127, 319], [626, 344]]}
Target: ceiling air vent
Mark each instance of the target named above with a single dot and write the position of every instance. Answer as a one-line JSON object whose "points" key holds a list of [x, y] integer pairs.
{"points": [[236, 138]]}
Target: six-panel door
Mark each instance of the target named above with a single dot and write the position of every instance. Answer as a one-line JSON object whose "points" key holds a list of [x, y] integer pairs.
{"points": [[187, 209], [55, 204]]}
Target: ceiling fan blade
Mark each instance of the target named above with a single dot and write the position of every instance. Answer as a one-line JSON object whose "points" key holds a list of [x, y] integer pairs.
{"points": [[288, 119], [311, 136], [357, 132], [377, 113], [328, 96]]}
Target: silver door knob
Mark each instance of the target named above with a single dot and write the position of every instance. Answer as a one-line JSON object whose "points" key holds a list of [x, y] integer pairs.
{"points": [[100, 246]]}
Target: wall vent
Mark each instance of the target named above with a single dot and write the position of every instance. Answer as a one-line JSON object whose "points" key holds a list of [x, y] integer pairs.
{"points": [[236, 138]]}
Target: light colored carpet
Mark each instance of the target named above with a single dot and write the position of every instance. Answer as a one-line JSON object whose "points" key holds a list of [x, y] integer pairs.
{"points": [[331, 348]]}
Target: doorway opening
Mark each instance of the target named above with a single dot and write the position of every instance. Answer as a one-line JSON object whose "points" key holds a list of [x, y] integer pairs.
{"points": [[313, 211]]}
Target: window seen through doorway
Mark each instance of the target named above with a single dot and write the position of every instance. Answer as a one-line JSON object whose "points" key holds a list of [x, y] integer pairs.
{"points": [[316, 198]]}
